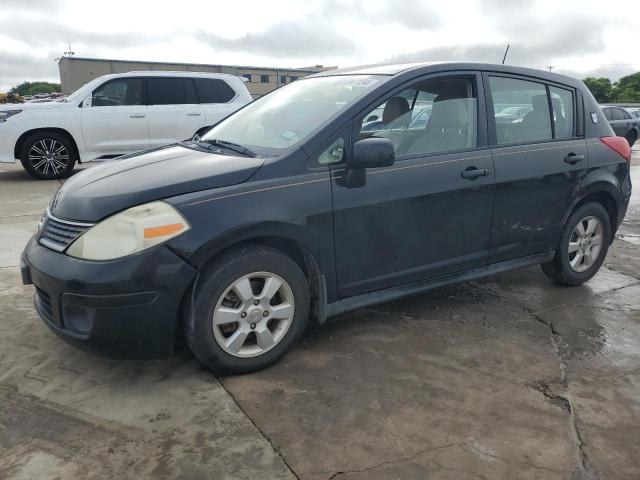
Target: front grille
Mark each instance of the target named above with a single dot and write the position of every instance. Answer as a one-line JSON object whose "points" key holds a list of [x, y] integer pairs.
{"points": [[57, 234], [43, 302]]}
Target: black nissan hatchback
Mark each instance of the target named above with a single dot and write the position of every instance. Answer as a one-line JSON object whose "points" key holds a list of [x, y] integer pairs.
{"points": [[325, 196]]}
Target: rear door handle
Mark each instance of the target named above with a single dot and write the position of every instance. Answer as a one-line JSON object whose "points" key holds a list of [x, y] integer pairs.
{"points": [[194, 114], [472, 173], [572, 158], [137, 115]]}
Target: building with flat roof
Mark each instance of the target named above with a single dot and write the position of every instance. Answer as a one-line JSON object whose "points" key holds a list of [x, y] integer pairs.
{"points": [[76, 71]]}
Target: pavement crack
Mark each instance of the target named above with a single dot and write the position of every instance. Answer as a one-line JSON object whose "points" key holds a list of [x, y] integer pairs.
{"points": [[262, 433], [564, 401], [391, 462]]}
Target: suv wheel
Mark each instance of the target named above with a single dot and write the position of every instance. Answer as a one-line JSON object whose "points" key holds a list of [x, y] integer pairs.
{"points": [[249, 309], [583, 246], [48, 156], [631, 137]]}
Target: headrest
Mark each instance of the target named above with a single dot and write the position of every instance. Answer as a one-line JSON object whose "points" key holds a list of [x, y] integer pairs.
{"points": [[450, 114], [394, 108], [539, 103]]}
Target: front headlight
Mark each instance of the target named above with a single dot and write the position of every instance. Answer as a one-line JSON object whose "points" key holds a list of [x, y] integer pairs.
{"points": [[8, 113], [129, 232]]}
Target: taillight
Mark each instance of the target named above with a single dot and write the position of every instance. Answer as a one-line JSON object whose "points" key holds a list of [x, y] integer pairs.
{"points": [[618, 145]]}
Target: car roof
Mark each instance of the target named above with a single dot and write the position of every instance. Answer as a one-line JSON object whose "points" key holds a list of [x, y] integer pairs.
{"points": [[167, 73], [430, 67]]}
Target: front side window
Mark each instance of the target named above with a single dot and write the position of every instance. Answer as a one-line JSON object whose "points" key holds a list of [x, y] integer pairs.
{"points": [[618, 114], [287, 116], [562, 105], [433, 116], [512, 97], [120, 92]]}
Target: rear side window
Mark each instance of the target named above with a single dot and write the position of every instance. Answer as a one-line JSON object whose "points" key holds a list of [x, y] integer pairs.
{"points": [[214, 90], [563, 106], [166, 91], [123, 91], [607, 113], [618, 114], [530, 121]]}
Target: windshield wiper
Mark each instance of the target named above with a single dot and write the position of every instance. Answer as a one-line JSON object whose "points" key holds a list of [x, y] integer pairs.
{"points": [[234, 147]]}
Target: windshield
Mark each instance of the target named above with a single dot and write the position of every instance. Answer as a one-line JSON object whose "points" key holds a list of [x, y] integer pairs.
{"points": [[287, 116]]}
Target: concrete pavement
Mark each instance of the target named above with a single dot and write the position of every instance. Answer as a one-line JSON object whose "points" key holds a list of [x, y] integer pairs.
{"points": [[509, 377]]}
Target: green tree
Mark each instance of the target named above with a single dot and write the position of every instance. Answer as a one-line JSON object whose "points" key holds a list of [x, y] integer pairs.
{"points": [[33, 88], [627, 89], [601, 88]]}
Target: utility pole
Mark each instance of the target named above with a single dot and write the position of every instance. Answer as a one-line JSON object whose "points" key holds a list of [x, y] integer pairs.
{"points": [[550, 67], [505, 54]]}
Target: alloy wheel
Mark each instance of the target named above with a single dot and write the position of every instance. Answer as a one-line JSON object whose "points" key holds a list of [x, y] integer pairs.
{"points": [[585, 243], [48, 157], [253, 314]]}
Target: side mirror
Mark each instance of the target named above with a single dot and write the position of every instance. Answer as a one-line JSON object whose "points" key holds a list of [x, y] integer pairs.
{"points": [[372, 153], [367, 153]]}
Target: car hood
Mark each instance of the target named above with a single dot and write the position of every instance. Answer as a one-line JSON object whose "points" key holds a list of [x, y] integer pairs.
{"points": [[151, 175], [26, 107]]}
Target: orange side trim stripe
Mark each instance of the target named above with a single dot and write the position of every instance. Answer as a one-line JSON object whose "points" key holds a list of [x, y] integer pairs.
{"points": [[163, 230]]}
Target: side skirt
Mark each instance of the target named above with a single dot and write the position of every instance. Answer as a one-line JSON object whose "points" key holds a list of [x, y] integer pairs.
{"points": [[401, 291]]}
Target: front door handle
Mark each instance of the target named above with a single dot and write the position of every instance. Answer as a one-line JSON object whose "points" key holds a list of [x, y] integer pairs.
{"points": [[137, 115], [194, 114], [572, 158], [472, 173]]}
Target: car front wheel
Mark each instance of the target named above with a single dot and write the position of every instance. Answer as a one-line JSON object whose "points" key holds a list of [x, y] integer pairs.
{"points": [[48, 156], [583, 246], [249, 309]]}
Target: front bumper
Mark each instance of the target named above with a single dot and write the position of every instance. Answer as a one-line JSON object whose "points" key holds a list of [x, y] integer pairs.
{"points": [[125, 308], [9, 134]]}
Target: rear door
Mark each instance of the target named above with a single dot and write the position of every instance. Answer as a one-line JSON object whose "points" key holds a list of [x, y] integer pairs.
{"points": [[174, 110], [430, 213], [114, 118], [539, 160]]}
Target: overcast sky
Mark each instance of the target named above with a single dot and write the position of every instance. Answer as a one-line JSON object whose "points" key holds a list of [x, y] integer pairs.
{"points": [[577, 37]]}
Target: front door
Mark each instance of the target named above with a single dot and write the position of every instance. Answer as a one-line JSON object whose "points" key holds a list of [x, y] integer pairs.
{"points": [[430, 213], [539, 159], [114, 119], [174, 110]]}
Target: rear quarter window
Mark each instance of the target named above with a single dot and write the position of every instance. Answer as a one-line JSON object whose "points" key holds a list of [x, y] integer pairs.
{"points": [[214, 90]]}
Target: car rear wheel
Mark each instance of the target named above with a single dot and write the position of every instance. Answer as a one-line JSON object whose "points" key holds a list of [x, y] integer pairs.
{"points": [[249, 308], [631, 137], [583, 246], [48, 156]]}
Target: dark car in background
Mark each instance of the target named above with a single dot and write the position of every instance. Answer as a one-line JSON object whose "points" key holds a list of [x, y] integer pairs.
{"points": [[623, 122], [289, 211]]}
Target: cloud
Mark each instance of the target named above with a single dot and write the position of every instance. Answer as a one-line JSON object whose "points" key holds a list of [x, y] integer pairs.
{"points": [[44, 33], [19, 68], [411, 14], [291, 39]]}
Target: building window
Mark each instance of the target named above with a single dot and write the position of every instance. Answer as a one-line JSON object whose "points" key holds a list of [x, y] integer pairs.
{"points": [[293, 79], [283, 79], [247, 76], [264, 78]]}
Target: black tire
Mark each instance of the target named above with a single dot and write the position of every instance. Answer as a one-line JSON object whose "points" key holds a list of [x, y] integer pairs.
{"points": [[214, 282], [631, 137], [559, 269], [58, 166]]}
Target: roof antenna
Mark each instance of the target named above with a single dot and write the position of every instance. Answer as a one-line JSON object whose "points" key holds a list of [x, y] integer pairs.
{"points": [[505, 54]]}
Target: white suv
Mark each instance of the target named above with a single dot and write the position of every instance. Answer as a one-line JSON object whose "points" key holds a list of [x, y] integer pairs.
{"points": [[114, 115]]}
